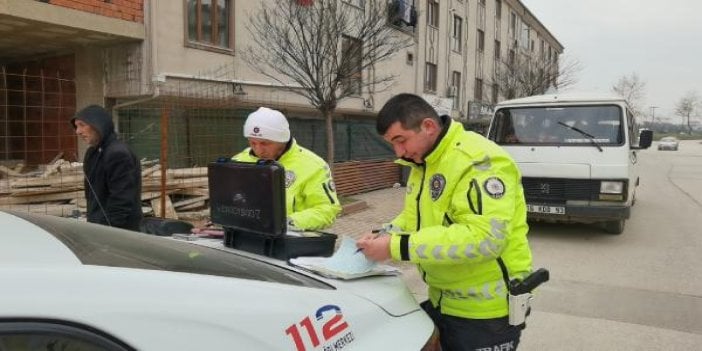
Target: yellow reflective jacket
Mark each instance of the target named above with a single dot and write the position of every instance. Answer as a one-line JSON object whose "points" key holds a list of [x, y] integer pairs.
{"points": [[464, 208], [310, 194]]}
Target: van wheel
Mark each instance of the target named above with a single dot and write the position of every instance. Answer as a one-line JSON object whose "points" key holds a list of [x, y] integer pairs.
{"points": [[614, 227]]}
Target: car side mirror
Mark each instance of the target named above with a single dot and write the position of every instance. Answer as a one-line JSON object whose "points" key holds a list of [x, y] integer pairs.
{"points": [[645, 139]]}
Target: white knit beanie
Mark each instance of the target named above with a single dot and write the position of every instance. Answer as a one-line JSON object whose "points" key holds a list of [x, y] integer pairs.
{"points": [[267, 124]]}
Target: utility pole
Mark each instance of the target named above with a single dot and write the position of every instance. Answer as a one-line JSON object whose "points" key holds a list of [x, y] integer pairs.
{"points": [[653, 115]]}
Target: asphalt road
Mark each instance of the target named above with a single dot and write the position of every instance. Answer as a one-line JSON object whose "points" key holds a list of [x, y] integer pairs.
{"points": [[640, 290]]}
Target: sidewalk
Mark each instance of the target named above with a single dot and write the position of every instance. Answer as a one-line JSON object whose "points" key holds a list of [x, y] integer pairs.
{"points": [[383, 206]]}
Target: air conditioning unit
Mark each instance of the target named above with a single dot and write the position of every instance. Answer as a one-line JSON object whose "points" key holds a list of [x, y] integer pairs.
{"points": [[452, 91]]}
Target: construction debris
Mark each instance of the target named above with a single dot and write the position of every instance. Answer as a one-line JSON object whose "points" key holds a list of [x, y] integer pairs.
{"points": [[57, 189]]}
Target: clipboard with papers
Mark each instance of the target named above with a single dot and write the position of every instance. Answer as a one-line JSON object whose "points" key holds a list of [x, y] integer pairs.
{"points": [[345, 264]]}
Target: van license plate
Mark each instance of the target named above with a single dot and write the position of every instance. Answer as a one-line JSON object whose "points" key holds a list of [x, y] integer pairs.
{"points": [[546, 209]]}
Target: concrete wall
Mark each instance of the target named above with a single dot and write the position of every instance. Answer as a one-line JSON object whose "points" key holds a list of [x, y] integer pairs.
{"points": [[128, 10]]}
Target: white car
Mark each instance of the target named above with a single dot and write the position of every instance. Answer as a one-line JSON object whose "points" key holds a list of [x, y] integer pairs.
{"points": [[668, 143], [70, 285]]}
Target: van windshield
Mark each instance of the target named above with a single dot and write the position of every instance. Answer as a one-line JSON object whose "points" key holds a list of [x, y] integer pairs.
{"points": [[598, 125]]}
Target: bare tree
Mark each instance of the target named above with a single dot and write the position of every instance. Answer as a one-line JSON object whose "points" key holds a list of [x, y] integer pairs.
{"points": [[686, 107], [633, 89], [323, 48], [519, 75]]}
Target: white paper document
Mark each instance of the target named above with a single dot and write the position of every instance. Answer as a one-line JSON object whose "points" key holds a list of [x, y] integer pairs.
{"points": [[346, 263]]}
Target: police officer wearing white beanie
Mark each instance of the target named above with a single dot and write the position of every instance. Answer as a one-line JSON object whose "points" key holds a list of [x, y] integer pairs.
{"points": [[310, 194]]}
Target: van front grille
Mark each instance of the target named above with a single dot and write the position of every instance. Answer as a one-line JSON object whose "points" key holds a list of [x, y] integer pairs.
{"points": [[558, 190]]}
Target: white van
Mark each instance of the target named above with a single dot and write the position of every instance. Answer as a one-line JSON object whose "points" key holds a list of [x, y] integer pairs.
{"points": [[577, 154]]}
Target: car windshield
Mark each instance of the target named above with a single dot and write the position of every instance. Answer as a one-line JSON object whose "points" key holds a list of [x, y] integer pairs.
{"points": [[668, 139], [598, 125], [105, 246]]}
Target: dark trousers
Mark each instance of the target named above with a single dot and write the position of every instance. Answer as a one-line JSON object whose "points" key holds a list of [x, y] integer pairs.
{"points": [[459, 334]]}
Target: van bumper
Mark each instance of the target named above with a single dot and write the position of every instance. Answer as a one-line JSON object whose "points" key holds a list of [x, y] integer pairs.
{"points": [[586, 213]]}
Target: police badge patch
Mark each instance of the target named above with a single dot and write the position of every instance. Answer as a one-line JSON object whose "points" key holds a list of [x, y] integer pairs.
{"points": [[437, 183], [494, 187], [289, 178]]}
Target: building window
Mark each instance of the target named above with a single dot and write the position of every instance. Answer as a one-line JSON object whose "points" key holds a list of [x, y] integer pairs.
{"points": [[433, 13], [498, 9], [478, 90], [498, 50], [402, 14], [455, 89], [541, 49], [352, 71], [430, 77], [525, 38], [457, 33], [495, 93], [481, 40], [513, 24], [208, 22]]}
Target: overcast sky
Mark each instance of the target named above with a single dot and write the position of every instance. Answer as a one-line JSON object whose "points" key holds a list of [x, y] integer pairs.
{"points": [[659, 40]]}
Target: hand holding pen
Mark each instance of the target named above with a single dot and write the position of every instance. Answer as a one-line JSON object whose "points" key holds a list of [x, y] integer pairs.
{"points": [[375, 245]]}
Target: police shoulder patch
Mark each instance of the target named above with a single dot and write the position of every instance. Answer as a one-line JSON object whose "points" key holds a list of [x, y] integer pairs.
{"points": [[289, 178], [437, 183], [494, 187]]}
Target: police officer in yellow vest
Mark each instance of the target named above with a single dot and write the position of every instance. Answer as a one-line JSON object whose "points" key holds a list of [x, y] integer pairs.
{"points": [[463, 224], [311, 201]]}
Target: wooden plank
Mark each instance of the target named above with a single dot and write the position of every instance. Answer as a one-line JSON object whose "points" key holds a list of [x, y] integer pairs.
{"points": [[27, 192], [152, 184], [54, 181], [63, 210], [53, 166], [187, 172], [193, 206], [13, 173], [194, 191], [60, 196], [186, 202], [170, 211], [149, 172]]}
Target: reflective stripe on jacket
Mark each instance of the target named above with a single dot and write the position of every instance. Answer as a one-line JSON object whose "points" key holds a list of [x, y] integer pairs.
{"points": [[464, 208], [310, 193]]}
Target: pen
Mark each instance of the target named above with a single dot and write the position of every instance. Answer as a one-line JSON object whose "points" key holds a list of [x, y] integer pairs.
{"points": [[374, 231]]}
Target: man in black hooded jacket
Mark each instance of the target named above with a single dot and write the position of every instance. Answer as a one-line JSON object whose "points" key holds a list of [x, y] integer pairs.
{"points": [[112, 171]]}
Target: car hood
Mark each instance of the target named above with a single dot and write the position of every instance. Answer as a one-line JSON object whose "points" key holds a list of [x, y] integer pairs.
{"points": [[390, 293]]}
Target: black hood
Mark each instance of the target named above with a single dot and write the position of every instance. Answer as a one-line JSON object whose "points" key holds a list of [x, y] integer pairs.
{"points": [[98, 118]]}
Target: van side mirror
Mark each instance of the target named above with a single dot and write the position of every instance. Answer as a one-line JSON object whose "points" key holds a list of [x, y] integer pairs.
{"points": [[645, 139]]}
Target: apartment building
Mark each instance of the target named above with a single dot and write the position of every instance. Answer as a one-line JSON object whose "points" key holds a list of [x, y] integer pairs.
{"points": [[180, 59], [463, 47]]}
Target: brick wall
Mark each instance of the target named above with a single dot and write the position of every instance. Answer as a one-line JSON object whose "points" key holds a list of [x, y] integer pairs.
{"points": [[128, 10], [355, 177]]}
